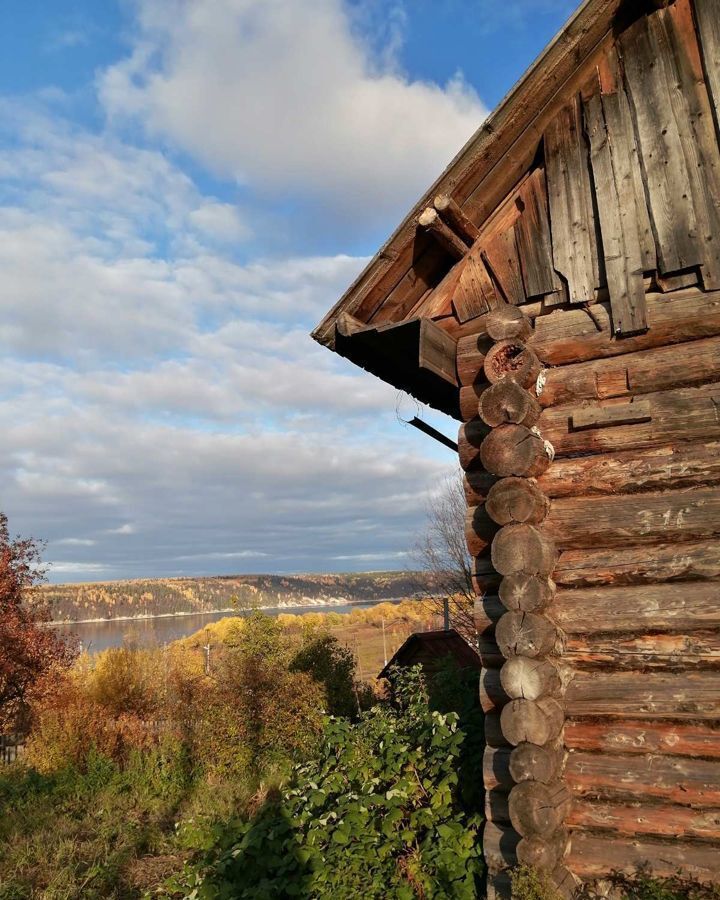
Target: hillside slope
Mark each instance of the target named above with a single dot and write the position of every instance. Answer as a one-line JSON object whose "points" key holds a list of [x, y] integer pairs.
{"points": [[163, 596]]}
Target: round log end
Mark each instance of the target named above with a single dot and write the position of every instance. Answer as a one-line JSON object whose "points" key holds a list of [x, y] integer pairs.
{"points": [[512, 450], [523, 548], [525, 634], [507, 402], [507, 323], [511, 358], [517, 500], [527, 593], [527, 721], [427, 217], [538, 810], [529, 679], [543, 853], [531, 762]]}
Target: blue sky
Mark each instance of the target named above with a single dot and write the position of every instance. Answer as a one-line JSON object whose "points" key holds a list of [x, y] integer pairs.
{"points": [[185, 188]]}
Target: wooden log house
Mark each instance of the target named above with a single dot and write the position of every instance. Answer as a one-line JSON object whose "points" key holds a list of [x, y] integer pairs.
{"points": [[558, 291]]}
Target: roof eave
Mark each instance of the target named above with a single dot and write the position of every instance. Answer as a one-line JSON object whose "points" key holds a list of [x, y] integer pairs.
{"points": [[586, 28]]}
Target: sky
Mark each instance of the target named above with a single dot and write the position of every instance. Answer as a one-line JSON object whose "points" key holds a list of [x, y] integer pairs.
{"points": [[186, 187]]}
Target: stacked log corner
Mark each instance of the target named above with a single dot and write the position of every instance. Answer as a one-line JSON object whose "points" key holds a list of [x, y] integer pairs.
{"points": [[509, 453]]}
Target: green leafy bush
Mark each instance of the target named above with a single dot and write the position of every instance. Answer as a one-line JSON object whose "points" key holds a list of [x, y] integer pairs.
{"points": [[378, 813]]}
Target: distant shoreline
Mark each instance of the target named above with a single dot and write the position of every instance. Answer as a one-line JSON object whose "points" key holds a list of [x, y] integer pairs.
{"points": [[335, 601]]}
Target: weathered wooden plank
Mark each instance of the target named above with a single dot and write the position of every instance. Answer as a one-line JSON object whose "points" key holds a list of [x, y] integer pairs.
{"points": [[534, 244], [622, 519], [437, 302], [677, 561], [669, 652], [689, 696], [437, 351], [691, 105], [618, 224], [592, 856], [572, 336], [501, 255], [640, 818], [572, 220], [474, 293], [634, 736], [648, 66], [668, 283], [677, 141], [633, 373], [627, 472], [426, 272], [626, 158], [708, 24], [684, 414], [674, 779], [633, 412], [691, 514], [663, 608]]}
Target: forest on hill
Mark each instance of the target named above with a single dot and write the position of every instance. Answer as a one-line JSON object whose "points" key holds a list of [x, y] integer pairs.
{"points": [[167, 596]]}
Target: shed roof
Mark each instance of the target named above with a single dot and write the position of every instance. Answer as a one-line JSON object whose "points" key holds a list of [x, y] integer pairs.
{"points": [[428, 647]]}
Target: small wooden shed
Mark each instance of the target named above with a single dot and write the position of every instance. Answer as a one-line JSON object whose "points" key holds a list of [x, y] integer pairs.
{"points": [[558, 291], [431, 649]]}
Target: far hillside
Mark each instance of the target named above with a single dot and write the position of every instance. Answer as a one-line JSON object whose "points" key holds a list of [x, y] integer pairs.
{"points": [[166, 596]]}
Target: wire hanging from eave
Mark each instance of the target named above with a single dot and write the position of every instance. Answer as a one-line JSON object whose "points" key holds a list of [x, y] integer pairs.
{"points": [[420, 424]]}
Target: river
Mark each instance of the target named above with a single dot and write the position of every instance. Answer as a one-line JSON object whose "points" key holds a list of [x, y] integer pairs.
{"points": [[97, 636]]}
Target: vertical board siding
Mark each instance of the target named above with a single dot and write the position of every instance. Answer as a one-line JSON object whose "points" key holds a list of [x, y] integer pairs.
{"points": [[474, 293], [677, 141], [691, 103], [618, 224], [501, 255], [533, 238], [572, 218], [707, 16]]}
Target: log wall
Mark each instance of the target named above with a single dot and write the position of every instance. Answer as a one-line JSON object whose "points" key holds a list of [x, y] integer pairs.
{"points": [[589, 374]]}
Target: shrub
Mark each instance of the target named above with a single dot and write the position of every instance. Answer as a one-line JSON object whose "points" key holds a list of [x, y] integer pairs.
{"points": [[333, 666], [377, 813], [29, 653], [527, 883]]}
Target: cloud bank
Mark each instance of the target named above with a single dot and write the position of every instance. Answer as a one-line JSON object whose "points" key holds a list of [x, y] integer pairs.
{"points": [[164, 410], [291, 99]]}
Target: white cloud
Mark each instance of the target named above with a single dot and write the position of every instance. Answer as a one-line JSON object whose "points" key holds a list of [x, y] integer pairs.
{"points": [[289, 98], [220, 221], [164, 408], [75, 542]]}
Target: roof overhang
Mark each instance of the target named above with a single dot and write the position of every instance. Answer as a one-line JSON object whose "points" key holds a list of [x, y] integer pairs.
{"points": [[415, 356], [484, 171]]}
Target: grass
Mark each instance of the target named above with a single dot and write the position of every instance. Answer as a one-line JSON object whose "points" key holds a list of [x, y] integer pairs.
{"points": [[106, 832]]}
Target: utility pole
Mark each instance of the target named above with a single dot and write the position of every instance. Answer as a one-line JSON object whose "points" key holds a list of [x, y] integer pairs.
{"points": [[384, 643], [206, 648]]}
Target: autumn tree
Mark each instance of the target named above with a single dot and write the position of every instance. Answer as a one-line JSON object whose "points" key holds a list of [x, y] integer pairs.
{"points": [[442, 553], [28, 651]]}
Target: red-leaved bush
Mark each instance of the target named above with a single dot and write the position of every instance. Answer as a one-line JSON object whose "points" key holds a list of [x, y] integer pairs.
{"points": [[29, 653]]}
